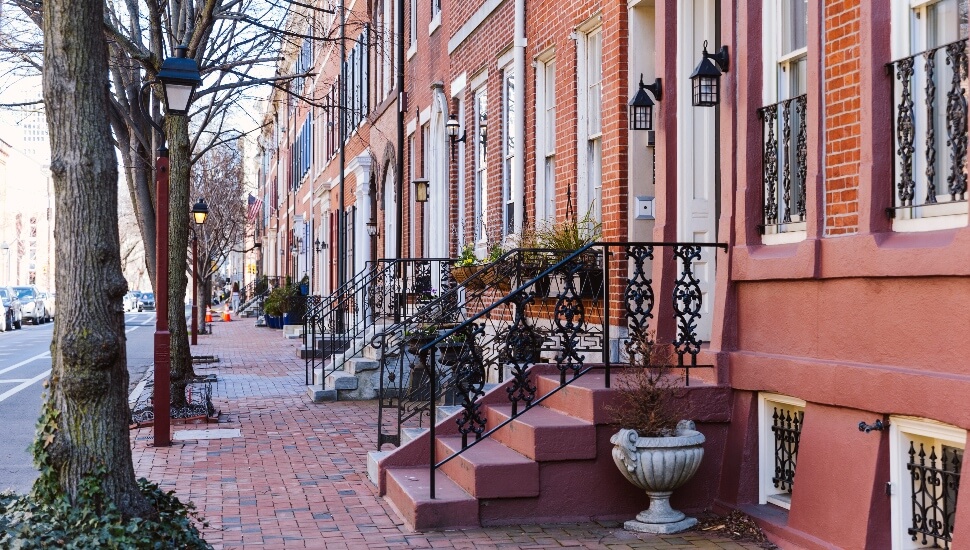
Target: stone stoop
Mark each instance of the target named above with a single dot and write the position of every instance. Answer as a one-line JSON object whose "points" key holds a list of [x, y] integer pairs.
{"points": [[552, 464]]}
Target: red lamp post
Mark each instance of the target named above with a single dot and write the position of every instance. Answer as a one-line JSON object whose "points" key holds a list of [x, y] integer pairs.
{"points": [[179, 77], [200, 211]]}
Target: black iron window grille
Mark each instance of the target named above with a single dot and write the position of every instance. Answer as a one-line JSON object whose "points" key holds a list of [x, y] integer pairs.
{"points": [[930, 140], [935, 483], [784, 163], [786, 425]]}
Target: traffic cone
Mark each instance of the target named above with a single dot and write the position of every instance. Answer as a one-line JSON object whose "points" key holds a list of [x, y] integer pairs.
{"points": [[208, 315], [225, 315]]}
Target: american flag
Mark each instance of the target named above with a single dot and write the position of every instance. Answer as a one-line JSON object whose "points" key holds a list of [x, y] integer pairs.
{"points": [[255, 205]]}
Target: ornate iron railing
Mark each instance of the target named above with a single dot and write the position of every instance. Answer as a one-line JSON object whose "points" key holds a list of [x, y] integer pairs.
{"points": [[934, 493], [384, 291], [257, 290], [942, 123], [784, 162], [786, 425], [528, 308]]}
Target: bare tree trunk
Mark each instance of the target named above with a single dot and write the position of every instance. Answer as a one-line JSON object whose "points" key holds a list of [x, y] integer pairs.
{"points": [[178, 246], [89, 379]]}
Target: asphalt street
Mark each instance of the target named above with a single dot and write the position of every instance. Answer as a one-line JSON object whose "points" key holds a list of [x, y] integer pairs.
{"points": [[25, 362]]}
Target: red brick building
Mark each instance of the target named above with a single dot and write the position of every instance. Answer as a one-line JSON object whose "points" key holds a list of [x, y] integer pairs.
{"points": [[834, 168]]}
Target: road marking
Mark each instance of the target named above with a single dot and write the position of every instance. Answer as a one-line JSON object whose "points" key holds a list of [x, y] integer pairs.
{"points": [[13, 381], [25, 361], [24, 385]]}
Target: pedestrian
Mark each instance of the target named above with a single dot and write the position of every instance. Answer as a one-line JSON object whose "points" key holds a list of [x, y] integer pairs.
{"points": [[235, 297]]}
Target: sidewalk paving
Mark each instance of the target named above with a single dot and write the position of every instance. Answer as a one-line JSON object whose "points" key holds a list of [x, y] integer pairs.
{"points": [[296, 477]]}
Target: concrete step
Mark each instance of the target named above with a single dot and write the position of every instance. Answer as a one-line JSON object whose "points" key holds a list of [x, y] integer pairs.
{"points": [[544, 434], [359, 365], [488, 469], [341, 380], [408, 434], [408, 490]]}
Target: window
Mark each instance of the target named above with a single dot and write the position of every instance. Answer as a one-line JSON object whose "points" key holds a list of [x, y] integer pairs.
{"points": [[356, 69], [435, 16], [481, 167], [929, 40], [413, 27], [384, 50], [590, 190], [925, 462], [508, 151], [780, 420], [784, 132], [546, 141]]}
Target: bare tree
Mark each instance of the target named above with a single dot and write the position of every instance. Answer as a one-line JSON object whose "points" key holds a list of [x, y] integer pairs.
{"points": [[87, 419], [238, 45], [217, 176]]}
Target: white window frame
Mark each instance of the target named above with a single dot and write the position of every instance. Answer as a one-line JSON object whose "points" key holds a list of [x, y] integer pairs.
{"points": [[413, 29], [425, 173], [545, 138], [480, 208], [589, 173], [767, 493], [508, 151], [778, 68], [902, 430], [943, 215], [435, 16]]}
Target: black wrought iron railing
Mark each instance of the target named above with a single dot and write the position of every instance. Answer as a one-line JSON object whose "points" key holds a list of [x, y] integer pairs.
{"points": [[256, 291], [335, 326], [784, 162], [529, 308], [786, 426], [931, 140], [935, 485]]}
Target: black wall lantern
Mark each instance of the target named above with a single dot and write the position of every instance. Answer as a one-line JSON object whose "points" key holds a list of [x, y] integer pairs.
{"points": [[641, 106], [706, 78], [453, 127]]}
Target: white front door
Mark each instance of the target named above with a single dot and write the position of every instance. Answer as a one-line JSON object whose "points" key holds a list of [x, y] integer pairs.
{"points": [[390, 215], [696, 153]]}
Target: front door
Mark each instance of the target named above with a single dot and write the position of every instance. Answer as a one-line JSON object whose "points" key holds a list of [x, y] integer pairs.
{"points": [[697, 153]]}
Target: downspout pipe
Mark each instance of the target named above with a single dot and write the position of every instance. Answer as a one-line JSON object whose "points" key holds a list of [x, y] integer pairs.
{"points": [[341, 214], [518, 147], [401, 111]]}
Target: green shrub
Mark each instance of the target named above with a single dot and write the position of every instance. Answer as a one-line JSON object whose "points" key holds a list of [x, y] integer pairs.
{"points": [[280, 300]]}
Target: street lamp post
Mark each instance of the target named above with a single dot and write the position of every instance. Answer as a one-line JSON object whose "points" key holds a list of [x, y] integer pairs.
{"points": [[179, 76], [200, 211]]}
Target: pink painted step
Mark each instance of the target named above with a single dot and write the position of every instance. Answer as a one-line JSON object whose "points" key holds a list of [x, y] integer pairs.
{"points": [[408, 490], [543, 434], [489, 469], [585, 398]]}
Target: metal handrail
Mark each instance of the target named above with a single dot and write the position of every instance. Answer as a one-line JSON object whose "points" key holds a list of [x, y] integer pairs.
{"points": [[686, 301], [358, 299]]}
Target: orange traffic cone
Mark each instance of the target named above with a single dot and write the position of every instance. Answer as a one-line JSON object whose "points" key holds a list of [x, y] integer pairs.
{"points": [[208, 315], [225, 315]]}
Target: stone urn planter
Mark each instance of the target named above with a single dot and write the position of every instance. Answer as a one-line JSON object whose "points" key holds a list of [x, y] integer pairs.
{"points": [[658, 465]]}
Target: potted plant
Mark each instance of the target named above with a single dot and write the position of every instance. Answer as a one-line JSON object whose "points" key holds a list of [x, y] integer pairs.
{"points": [[653, 450], [453, 349], [421, 336], [465, 266], [570, 235], [278, 305]]}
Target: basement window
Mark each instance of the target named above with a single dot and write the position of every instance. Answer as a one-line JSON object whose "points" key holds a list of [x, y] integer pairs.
{"points": [[780, 420]]}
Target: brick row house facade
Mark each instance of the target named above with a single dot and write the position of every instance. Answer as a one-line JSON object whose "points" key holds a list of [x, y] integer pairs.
{"points": [[833, 168]]}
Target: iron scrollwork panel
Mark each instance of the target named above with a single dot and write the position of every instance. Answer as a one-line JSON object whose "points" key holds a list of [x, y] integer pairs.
{"points": [[688, 302]]}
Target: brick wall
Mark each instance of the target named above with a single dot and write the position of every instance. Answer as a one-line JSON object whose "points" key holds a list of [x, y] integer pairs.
{"points": [[842, 105]]}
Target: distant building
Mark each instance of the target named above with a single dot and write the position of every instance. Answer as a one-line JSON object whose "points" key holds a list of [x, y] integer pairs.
{"points": [[26, 199]]}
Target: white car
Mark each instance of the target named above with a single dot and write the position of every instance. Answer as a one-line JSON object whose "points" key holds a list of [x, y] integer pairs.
{"points": [[130, 300]]}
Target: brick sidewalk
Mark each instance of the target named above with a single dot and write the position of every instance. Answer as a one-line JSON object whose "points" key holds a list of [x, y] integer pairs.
{"points": [[297, 476]]}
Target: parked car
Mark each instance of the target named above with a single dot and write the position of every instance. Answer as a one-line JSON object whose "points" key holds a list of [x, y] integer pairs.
{"points": [[130, 300], [12, 310], [31, 303], [49, 305], [146, 302]]}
